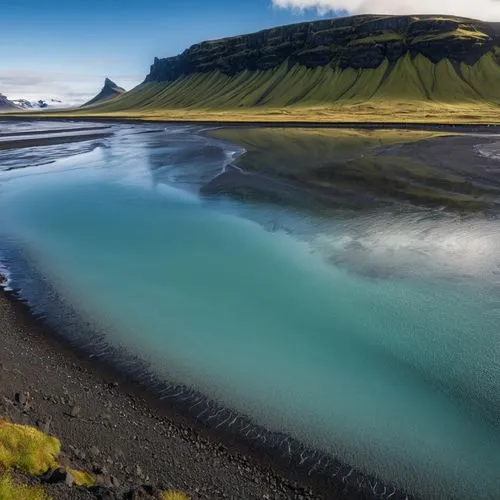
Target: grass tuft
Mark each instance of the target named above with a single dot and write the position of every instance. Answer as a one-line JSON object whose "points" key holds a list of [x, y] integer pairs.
{"points": [[9, 490], [82, 478], [26, 448], [174, 495]]}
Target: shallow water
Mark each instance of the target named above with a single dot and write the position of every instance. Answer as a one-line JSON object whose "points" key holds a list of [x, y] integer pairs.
{"points": [[372, 336]]}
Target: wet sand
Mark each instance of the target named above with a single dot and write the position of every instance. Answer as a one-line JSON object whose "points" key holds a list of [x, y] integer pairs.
{"points": [[49, 141]]}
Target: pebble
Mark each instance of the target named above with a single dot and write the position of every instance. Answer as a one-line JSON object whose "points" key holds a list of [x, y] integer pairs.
{"points": [[75, 411], [21, 397], [59, 475], [94, 451], [138, 471]]}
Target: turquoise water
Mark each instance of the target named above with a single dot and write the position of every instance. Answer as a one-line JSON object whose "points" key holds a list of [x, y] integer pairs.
{"points": [[374, 338]]}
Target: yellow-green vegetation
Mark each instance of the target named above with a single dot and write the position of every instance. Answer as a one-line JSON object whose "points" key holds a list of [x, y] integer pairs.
{"points": [[82, 478], [462, 32], [31, 451], [27, 449], [174, 495], [10, 490]]}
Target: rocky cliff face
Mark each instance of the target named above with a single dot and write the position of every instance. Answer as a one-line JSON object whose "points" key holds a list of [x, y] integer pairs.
{"points": [[351, 42]]}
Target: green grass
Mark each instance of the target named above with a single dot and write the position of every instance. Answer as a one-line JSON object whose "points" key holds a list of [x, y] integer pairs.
{"points": [[27, 449], [459, 33], [10, 490]]}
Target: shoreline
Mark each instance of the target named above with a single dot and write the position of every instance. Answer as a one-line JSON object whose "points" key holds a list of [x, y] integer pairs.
{"points": [[232, 469], [479, 128], [294, 474]]}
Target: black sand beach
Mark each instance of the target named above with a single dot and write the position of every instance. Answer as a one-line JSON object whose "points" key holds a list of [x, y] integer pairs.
{"points": [[117, 428]]}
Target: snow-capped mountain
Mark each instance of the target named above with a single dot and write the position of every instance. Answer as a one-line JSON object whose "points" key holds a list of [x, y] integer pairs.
{"points": [[40, 104]]}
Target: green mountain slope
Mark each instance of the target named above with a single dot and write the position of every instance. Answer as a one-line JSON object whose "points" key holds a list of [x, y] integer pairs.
{"points": [[409, 79], [346, 69]]}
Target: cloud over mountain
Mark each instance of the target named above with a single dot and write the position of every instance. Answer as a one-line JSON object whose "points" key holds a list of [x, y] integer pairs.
{"points": [[488, 10]]}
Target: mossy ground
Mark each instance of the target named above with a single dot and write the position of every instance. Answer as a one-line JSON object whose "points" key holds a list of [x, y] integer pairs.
{"points": [[11, 490], [30, 451], [27, 449]]}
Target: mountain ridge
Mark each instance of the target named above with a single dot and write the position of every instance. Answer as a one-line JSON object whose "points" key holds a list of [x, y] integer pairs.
{"points": [[109, 91], [358, 42]]}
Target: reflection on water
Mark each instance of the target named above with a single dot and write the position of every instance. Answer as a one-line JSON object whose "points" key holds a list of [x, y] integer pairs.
{"points": [[371, 335]]}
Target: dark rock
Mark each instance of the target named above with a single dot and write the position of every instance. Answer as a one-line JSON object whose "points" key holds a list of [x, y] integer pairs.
{"points": [[104, 493], [145, 491], [103, 480], [59, 475], [21, 397], [99, 469]]}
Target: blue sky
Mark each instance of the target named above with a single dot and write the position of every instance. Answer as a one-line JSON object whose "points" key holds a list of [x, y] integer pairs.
{"points": [[57, 49], [65, 49]]}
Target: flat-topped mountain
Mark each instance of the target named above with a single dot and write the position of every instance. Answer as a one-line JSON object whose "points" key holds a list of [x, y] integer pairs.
{"points": [[108, 91], [360, 42], [361, 64]]}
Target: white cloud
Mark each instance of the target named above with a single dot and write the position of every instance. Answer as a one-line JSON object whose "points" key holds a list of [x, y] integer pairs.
{"points": [[487, 10]]}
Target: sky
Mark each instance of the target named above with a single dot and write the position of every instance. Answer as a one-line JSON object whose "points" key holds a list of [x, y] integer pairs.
{"points": [[63, 49]]}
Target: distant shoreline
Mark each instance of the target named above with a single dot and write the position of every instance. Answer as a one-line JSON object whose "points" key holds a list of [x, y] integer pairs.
{"points": [[480, 128]]}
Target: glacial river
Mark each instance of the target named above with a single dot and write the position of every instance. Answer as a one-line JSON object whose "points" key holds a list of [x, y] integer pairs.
{"points": [[372, 336]]}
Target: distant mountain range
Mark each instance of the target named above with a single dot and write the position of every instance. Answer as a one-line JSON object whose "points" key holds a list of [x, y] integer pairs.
{"points": [[108, 91], [24, 104], [40, 104]]}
